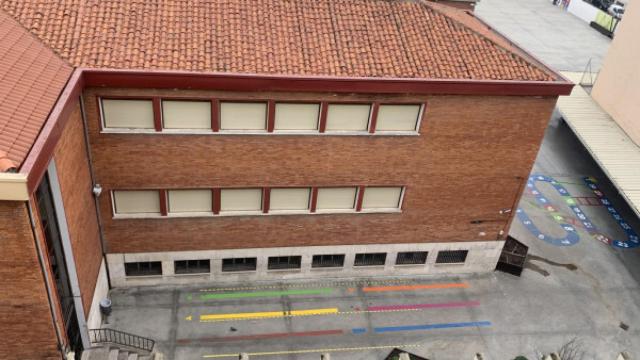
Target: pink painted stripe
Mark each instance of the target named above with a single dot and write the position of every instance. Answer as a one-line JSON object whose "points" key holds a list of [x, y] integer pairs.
{"points": [[424, 306]]}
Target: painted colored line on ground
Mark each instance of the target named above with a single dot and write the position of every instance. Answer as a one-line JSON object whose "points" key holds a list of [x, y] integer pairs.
{"points": [[414, 287], [237, 295], [306, 285], [259, 336], [431, 326], [357, 331], [311, 351], [268, 314], [424, 306]]}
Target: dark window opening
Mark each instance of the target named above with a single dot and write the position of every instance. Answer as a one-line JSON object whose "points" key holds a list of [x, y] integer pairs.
{"points": [[192, 266], [326, 261], [284, 262], [411, 258], [371, 259], [452, 256], [239, 264], [146, 268]]}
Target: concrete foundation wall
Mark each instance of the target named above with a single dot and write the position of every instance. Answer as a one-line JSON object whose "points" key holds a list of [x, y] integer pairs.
{"points": [[94, 319], [482, 257]]}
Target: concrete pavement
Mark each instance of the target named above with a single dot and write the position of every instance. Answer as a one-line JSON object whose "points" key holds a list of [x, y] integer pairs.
{"points": [[558, 38]]}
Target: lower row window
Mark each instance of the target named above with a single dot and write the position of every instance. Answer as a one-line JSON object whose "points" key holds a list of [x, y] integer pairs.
{"points": [[452, 257], [153, 268], [284, 262], [144, 268], [192, 266]]}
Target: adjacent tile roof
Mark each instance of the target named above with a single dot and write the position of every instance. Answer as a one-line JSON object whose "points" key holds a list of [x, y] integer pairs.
{"points": [[358, 38], [31, 79]]}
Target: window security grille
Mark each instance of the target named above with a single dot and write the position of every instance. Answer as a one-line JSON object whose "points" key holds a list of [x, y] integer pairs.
{"points": [[411, 258], [146, 268], [452, 257], [239, 264], [371, 259], [284, 262], [327, 261], [192, 266]]}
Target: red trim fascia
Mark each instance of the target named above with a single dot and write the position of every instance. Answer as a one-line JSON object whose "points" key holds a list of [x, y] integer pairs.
{"points": [[215, 115], [37, 160], [359, 198], [163, 202], [256, 82], [215, 200], [157, 113], [266, 199], [322, 123], [373, 121], [271, 115], [314, 199]]}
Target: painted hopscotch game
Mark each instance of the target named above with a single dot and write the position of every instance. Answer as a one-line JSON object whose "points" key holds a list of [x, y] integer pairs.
{"points": [[555, 210]]}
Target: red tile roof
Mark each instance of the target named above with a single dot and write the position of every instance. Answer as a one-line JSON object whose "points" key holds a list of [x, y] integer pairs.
{"points": [[354, 38], [31, 79]]}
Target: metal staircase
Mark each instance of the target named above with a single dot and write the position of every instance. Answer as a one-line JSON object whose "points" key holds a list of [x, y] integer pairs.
{"points": [[111, 344]]}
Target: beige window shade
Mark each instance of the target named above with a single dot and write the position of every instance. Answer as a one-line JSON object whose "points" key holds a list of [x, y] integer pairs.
{"points": [[297, 116], [348, 117], [243, 116], [336, 198], [289, 199], [240, 199], [177, 114], [189, 201], [397, 117], [129, 114], [381, 197], [136, 201]]}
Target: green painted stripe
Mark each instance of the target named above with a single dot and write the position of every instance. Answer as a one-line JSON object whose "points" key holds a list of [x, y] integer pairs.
{"points": [[236, 295]]}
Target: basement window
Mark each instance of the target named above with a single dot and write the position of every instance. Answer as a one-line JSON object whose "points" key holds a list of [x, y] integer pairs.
{"points": [[239, 264], [192, 267], [370, 259], [144, 268], [284, 262], [327, 261], [452, 257], [411, 258]]}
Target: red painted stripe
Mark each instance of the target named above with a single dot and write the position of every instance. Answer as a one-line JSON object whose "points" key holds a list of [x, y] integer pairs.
{"points": [[424, 306], [260, 336]]}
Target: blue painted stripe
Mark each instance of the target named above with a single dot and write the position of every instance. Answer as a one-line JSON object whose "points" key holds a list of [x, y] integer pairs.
{"points": [[358, 330], [431, 326]]}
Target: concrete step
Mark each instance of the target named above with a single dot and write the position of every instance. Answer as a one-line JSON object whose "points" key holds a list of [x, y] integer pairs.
{"points": [[133, 356]]}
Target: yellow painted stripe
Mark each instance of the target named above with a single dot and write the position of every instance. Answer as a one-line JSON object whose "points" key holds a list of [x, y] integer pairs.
{"points": [[268, 314], [308, 351]]}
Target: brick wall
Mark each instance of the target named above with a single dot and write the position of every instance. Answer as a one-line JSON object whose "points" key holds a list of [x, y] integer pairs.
{"points": [[76, 187], [26, 327], [468, 164]]}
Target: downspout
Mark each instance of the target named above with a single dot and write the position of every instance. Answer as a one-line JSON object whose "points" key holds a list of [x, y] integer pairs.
{"points": [[103, 245], [54, 317]]}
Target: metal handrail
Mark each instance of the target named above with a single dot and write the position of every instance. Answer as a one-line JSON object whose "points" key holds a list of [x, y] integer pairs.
{"points": [[120, 338]]}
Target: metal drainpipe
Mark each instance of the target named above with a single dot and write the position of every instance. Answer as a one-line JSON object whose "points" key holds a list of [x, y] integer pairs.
{"points": [[46, 278], [103, 245]]}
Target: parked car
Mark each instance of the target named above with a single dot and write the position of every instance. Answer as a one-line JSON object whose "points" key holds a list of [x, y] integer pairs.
{"points": [[616, 10], [602, 4]]}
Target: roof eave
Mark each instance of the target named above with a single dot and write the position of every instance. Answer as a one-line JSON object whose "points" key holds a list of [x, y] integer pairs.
{"points": [[261, 82]]}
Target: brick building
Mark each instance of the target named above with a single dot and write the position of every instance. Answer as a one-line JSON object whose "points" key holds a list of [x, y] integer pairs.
{"points": [[181, 142]]}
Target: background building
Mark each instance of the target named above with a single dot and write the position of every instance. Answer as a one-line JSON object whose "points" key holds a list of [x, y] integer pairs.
{"points": [[150, 143]]}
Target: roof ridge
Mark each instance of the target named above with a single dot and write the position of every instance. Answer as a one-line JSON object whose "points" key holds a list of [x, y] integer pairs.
{"points": [[537, 64], [37, 38]]}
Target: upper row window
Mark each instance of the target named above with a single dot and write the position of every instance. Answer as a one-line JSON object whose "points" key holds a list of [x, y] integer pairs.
{"points": [[253, 116]]}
